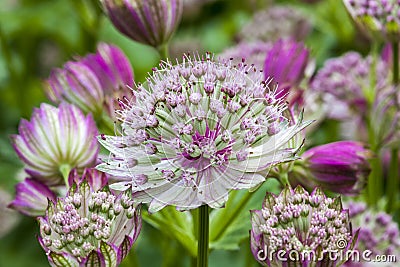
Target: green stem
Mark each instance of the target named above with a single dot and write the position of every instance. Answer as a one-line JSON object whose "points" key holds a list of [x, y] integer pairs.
{"points": [[193, 261], [395, 52], [163, 50], [375, 181], [284, 178], [203, 232], [370, 91], [65, 169], [393, 181], [105, 124], [374, 186]]}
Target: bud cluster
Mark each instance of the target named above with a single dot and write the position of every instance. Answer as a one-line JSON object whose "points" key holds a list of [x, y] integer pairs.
{"points": [[80, 223], [299, 221], [379, 233], [342, 81]]}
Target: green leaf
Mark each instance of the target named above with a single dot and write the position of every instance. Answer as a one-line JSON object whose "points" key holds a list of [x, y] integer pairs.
{"points": [[109, 254], [175, 224], [230, 226]]}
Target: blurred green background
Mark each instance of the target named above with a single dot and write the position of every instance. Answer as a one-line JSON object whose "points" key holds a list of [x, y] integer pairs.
{"points": [[39, 35]]}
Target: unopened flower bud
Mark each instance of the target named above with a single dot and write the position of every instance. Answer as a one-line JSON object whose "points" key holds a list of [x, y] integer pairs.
{"points": [[151, 22]]}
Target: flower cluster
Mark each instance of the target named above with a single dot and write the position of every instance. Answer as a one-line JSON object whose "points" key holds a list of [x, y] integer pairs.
{"points": [[380, 17], [55, 141], [378, 232], [275, 23], [150, 22], [195, 131], [301, 222], [89, 227], [342, 82], [93, 82], [355, 89]]}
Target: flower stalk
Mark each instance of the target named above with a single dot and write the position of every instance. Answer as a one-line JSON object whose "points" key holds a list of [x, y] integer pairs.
{"points": [[203, 232], [65, 170], [106, 124], [393, 181], [395, 49], [163, 51], [374, 187]]}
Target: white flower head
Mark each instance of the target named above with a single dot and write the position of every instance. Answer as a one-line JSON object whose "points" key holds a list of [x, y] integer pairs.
{"points": [[196, 130]]}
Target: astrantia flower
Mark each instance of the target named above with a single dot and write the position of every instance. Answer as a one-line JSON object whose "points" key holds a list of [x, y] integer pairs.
{"points": [[343, 81], [344, 85], [150, 22], [274, 23], [32, 198], [340, 167], [56, 140], [89, 228], [93, 82], [379, 233], [379, 17], [299, 229], [197, 130]]}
